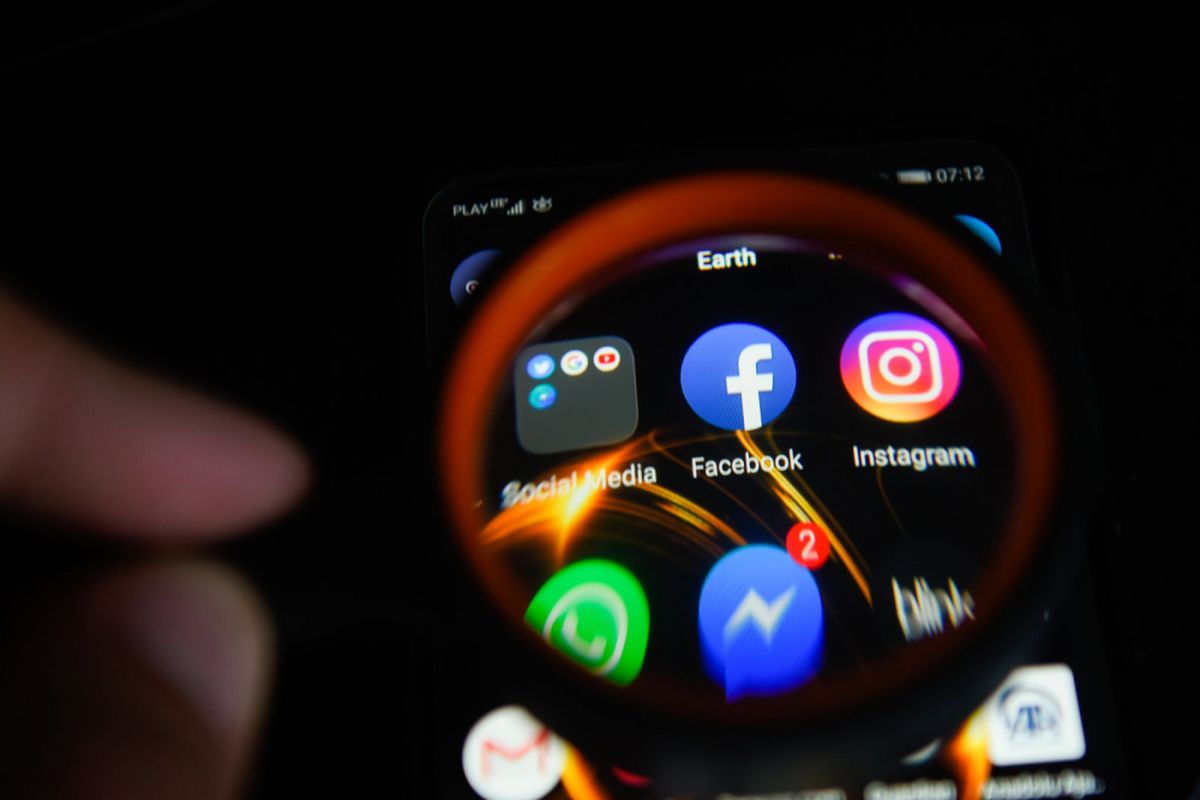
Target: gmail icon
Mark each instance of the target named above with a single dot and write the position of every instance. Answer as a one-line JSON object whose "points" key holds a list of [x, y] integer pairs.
{"points": [[509, 755]]}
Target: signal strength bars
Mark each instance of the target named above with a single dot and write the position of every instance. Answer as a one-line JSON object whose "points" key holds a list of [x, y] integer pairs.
{"points": [[516, 209]]}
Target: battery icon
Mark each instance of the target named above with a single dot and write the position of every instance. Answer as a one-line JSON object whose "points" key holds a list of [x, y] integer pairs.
{"points": [[911, 176]]}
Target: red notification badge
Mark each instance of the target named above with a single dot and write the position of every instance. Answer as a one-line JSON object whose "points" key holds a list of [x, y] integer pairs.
{"points": [[808, 544]]}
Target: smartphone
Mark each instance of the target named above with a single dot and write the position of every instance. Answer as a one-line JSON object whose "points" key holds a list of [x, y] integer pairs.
{"points": [[757, 467]]}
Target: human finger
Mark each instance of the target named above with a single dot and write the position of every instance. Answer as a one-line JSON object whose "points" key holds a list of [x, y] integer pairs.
{"points": [[149, 683], [87, 439]]}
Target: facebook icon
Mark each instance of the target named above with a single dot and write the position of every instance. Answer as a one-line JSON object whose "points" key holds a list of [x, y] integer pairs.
{"points": [[738, 376]]}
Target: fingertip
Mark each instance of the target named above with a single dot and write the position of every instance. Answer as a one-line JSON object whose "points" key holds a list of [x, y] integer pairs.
{"points": [[203, 629], [149, 681], [194, 470], [199, 631], [89, 440], [141, 458]]}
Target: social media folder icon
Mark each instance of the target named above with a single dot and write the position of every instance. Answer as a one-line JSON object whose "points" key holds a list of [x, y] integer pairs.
{"points": [[510, 755], [573, 407], [595, 613], [761, 622], [738, 377]]}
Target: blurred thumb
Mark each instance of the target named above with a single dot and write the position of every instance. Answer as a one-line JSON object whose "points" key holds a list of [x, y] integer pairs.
{"points": [[149, 684]]}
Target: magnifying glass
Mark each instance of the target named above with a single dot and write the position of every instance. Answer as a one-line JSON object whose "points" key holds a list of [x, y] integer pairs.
{"points": [[757, 468]]}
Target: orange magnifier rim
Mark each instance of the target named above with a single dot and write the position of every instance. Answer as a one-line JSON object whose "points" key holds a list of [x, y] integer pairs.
{"points": [[588, 251]]}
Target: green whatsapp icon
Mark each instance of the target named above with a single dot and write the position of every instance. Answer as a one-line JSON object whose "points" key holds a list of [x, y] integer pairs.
{"points": [[595, 613]]}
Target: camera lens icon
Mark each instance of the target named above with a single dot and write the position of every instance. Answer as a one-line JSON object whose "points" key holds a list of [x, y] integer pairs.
{"points": [[894, 362], [900, 367]]}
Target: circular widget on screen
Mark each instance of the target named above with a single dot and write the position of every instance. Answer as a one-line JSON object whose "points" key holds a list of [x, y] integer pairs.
{"points": [[738, 376], [540, 367], [574, 362], [761, 622], [607, 358], [542, 396], [470, 276], [510, 755], [900, 367]]}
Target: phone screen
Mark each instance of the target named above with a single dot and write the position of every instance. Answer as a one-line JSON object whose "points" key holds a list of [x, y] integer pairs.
{"points": [[747, 471]]}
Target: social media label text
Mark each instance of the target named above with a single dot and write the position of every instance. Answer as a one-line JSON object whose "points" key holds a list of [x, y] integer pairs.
{"points": [[554, 486]]}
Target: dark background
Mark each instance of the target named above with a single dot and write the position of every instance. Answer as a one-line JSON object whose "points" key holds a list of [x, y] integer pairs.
{"points": [[232, 194]]}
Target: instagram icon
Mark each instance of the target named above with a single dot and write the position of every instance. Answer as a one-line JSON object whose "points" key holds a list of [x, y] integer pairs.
{"points": [[900, 367]]}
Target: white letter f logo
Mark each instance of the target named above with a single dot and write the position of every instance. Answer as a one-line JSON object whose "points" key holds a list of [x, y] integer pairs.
{"points": [[749, 383]]}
